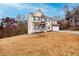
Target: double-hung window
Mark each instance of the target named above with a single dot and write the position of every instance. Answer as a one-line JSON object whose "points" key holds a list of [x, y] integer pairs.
{"points": [[36, 18], [36, 27], [43, 19]]}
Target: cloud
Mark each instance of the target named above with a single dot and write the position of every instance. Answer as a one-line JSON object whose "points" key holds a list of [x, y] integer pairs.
{"points": [[46, 9], [32, 7], [1, 11], [2, 14], [19, 8], [72, 5], [15, 5]]}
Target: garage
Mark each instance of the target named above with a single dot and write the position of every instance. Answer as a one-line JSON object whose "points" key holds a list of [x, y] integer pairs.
{"points": [[55, 27]]}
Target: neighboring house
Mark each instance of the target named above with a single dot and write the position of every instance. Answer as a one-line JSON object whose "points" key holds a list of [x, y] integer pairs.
{"points": [[38, 22]]}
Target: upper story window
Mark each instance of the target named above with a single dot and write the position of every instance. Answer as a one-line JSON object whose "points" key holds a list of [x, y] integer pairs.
{"points": [[36, 19], [54, 22], [36, 27], [43, 19]]}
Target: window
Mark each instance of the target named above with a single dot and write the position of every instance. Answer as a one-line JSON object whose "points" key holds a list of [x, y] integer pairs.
{"points": [[36, 19], [54, 22], [36, 27], [43, 19]]}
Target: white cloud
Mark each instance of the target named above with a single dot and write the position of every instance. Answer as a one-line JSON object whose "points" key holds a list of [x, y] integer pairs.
{"points": [[32, 7], [15, 5], [45, 8], [48, 10], [1, 11], [2, 14]]}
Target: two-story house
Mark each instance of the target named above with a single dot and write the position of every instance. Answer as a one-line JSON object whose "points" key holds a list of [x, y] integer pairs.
{"points": [[38, 22]]}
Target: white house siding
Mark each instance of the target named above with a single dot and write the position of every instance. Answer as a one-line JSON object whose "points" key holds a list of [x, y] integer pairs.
{"points": [[48, 24], [55, 28], [30, 24], [55, 25], [48, 27]]}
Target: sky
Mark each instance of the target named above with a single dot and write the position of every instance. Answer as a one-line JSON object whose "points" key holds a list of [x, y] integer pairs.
{"points": [[49, 9]]}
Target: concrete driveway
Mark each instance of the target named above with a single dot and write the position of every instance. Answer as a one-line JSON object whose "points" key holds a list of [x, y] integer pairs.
{"points": [[72, 32]]}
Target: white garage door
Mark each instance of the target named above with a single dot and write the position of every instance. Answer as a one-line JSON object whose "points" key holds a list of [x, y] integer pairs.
{"points": [[55, 28]]}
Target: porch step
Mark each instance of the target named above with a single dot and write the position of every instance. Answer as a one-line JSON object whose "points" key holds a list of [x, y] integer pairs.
{"points": [[38, 32]]}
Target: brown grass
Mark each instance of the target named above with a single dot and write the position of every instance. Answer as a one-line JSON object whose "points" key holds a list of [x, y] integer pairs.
{"points": [[43, 44]]}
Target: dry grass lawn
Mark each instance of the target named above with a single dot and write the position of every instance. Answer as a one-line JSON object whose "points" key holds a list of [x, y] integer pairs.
{"points": [[43, 44]]}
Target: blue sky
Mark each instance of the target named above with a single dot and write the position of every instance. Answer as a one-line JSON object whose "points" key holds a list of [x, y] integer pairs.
{"points": [[49, 9]]}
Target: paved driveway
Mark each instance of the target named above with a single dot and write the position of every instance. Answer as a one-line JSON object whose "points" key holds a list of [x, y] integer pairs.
{"points": [[72, 32]]}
